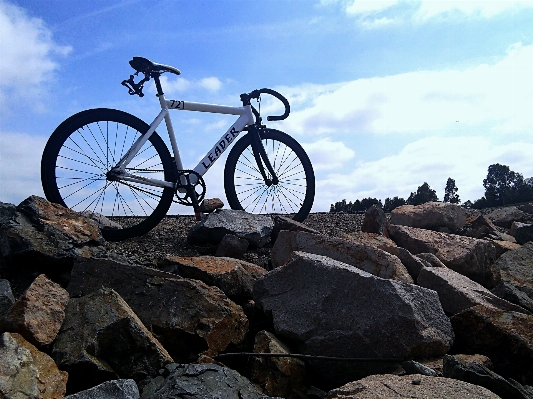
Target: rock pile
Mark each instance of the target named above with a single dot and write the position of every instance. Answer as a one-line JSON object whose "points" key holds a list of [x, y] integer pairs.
{"points": [[431, 302]]}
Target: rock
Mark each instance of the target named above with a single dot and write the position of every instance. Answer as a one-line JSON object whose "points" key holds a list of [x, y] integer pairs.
{"points": [[254, 228], [375, 221], [522, 232], [209, 205], [116, 389], [479, 226], [527, 208], [41, 237], [504, 217], [505, 337], [187, 316], [6, 297], [102, 338], [431, 215], [277, 376], [412, 367], [373, 240], [457, 292], [430, 260], [512, 294], [39, 313], [388, 386], [232, 247], [200, 381], [234, 277], [471, 257], [516, 268], [25, 372], [371, 260], [101, 220], [330, 308], [412, 263], [285, 223], [466, 368]]}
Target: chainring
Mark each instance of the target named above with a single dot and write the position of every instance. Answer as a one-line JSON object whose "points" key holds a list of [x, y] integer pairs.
{"points": [[184, 182]]}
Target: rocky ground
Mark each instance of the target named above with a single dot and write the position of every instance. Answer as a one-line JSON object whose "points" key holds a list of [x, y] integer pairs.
{"points": [[170, 237]]}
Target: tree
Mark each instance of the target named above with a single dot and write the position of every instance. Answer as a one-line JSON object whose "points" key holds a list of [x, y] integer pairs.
{"points": [[450, 192], [392, 203], [423, 194], [504, 186]]}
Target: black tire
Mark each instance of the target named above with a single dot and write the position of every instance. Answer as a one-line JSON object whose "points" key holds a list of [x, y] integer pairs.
{"points": [[246, 189], [83, 149]]}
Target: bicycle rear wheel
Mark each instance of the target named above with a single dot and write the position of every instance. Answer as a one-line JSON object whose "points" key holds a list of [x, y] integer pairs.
{"points": [[80, 153], [246, 189]]}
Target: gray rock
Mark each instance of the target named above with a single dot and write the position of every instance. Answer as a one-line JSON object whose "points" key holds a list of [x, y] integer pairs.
{"points": [[505, 337], [101, 220], [516, 268], [460, 368], [285, 223], [6, 297], [254, 228], [457, 292], [187, 316], [522, 232], [504, 217], [431, 215], [509, 292], [375, 221], [372, 260], [412, 263], [471, 257], [388, 386], [200, 381], [232, 246], [102, 338], [430, 260], [209, 205], [331, 308], [412, 367], [116, 389]]}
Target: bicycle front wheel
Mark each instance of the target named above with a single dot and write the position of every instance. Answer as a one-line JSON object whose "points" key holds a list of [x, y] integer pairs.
{"points": [[80, 153], [246, 189]]}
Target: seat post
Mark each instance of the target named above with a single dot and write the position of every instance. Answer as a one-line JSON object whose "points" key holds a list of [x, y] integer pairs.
{"points": [[158, 84]]}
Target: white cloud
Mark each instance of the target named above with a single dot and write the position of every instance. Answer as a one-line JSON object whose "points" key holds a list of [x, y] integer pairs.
{"points": [[20, 162], [28, 56], [483, 8], [369, 7], [328, 155], [499, 96], [431, 160], [173, 86], [211, 84]]}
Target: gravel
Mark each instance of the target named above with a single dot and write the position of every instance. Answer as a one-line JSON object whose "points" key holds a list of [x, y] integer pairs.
{"points": [[169, 237]]}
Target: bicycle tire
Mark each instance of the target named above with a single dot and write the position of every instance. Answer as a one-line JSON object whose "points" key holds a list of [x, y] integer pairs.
{"points": [[246, 189], [83, 149]]}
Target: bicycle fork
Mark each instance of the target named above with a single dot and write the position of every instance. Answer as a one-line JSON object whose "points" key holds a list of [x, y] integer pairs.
{"points": [[261, 158]]}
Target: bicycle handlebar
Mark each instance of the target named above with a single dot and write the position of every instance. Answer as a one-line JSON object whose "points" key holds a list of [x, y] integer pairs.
{"points": [[256, 93]]}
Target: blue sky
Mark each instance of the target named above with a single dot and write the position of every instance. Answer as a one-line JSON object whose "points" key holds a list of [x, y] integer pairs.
{"points": [[385, 95]]}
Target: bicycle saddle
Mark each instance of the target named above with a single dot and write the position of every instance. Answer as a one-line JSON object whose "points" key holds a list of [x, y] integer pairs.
{"points": [[144, 65]]}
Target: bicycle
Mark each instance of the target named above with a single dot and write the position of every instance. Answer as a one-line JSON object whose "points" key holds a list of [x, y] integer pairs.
{"points": [[112, 163]]}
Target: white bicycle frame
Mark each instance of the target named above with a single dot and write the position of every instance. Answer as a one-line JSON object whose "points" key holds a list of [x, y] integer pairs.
{"points": [[246, 118]]}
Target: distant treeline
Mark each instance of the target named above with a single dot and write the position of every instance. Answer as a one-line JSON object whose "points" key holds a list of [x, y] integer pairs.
{"points": [[502, 187]]}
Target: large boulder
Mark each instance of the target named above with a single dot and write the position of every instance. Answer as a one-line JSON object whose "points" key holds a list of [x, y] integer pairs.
{"points": [[516, 268], [103, 339], [254, 228], [439, 216], [187, 316], [389, 386], [375, 221], [116, 389], [364, 257], [6, 297], [471, 257], [512, 294], [457, 292], [25, 372], [234, 277], [505, 337], [467, 368], [39, 313], [330, 308], [200, 381], [522, 232], [38, 237], [504, 217]]}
